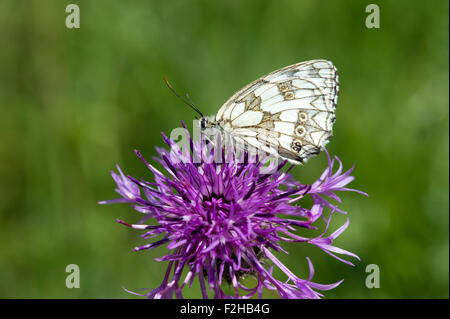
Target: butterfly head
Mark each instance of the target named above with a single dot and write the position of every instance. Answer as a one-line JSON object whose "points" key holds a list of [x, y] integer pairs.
{"points": [[203, 123], [207, 122]]}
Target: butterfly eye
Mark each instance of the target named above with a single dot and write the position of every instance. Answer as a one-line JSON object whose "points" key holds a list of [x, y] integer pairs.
{"points": [[289, 95], [302, 116], [300, 130], [282, 87], [203, 123], [296, 146]]}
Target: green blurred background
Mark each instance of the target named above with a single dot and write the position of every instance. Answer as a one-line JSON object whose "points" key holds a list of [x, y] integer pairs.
{"points": [[74, 102]]}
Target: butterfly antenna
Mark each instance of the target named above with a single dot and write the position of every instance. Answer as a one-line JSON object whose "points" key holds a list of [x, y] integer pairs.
{"points": [[190, 103]]}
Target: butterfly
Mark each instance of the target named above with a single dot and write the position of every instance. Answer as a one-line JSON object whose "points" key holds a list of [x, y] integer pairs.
{"points": [[288, 113]]}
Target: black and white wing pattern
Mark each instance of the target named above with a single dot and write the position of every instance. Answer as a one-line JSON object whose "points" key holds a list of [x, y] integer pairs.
{"points": [[288, 113]]}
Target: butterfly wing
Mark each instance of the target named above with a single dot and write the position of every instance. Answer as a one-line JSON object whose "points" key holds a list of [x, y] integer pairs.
{"points": [[289, 112]]}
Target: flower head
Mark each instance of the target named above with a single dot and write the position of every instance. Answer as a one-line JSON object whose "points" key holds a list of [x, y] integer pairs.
{"points": [[222, 221]]}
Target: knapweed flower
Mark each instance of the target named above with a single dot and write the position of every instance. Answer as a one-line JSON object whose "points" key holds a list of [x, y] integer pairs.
{"points": [[223, 221]]}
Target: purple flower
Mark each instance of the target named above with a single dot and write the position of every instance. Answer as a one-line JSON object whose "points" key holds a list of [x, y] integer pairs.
{"points": [[223, 221]]}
